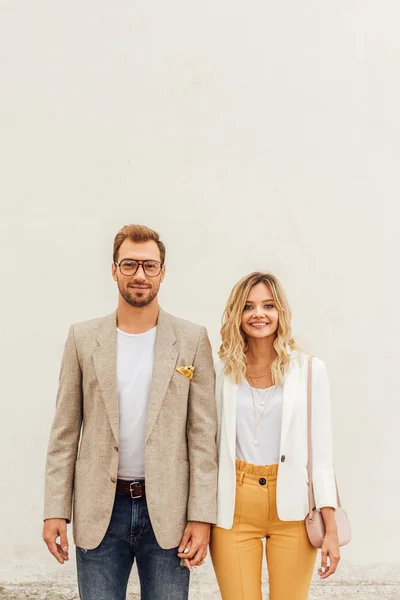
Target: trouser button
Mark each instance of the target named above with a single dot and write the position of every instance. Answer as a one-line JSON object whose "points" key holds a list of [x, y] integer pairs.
{"points": [[262, 481]]}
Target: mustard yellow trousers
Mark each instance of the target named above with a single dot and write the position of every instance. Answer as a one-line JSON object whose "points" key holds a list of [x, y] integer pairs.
{"points": [[237, 553]]}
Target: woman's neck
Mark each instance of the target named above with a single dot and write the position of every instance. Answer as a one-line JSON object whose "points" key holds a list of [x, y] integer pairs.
{"points": [[261, 352]]}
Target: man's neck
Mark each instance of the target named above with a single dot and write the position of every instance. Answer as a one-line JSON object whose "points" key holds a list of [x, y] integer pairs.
{"points": [[131, 319]]}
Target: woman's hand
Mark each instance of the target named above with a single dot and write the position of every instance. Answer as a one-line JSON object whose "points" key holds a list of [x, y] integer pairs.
{"points": [[330, 545], [330, 550]]}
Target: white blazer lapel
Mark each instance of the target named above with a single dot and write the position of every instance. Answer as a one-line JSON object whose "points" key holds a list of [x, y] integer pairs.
{"points": [[229, 396], [290, 392]]}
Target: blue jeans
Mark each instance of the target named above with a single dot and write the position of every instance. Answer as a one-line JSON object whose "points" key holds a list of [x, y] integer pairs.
{"points": [[103, 573]]}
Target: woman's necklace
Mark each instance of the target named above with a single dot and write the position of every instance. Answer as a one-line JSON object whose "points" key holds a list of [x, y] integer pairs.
{"points": [[262, 396], [271, 391], [258, 376]]}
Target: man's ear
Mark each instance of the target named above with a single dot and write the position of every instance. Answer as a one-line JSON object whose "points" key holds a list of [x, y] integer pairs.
{"points": [[163, 270], [114, 271]]}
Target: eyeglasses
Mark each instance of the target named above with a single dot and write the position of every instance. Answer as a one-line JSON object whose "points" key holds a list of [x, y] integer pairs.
{"points": [[128, 267]]}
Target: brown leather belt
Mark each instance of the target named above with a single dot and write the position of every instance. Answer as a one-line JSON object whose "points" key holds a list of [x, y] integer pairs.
{"points": [[134, 489]]}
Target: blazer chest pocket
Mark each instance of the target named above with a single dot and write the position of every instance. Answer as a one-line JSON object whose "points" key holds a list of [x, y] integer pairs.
{"points": [[180, 381]]}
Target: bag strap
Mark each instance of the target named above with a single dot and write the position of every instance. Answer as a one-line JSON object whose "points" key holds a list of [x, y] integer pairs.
{"points": [[311, 497]]}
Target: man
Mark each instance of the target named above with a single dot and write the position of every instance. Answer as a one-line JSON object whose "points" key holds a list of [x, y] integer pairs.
{"points": [[136, 395]]}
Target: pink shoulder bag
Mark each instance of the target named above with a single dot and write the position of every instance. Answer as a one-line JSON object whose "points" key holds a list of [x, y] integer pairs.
{"points": [[314, 521]]}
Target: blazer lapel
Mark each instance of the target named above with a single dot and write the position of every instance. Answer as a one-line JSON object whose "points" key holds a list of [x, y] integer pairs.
{"points": [[290, 392], [165, 358], [105, 363], [229, 398]]}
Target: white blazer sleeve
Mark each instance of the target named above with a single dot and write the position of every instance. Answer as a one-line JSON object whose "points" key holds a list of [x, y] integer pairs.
{"points": [[323, 470]]}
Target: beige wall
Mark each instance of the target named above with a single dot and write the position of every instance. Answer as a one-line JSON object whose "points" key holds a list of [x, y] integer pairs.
{"points": [[257, 136]]}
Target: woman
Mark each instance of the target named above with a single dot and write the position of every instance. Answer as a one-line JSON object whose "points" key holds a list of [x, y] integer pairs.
{"points": [[262, 439]]}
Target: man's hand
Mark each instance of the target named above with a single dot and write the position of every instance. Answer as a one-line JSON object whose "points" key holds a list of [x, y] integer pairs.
{"points": [[194, 544], [53, 529]]}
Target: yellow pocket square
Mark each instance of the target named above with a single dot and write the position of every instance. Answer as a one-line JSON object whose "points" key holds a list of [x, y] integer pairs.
{"points": [[187, 371]]}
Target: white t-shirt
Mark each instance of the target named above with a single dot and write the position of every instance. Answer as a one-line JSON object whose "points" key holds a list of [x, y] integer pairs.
{"points": [[135, 357], [266, 452]]}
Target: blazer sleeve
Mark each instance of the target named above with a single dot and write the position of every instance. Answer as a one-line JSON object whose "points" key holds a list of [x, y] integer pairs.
{"points": [[219, 381], [201, 435], [64, 436], [323, 469]]}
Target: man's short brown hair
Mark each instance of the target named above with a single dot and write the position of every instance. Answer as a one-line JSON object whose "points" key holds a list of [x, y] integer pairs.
{"points": [[138, 234]]}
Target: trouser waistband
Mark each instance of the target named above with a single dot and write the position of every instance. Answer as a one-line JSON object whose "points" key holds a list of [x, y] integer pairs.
{"points": [[255, 473]]}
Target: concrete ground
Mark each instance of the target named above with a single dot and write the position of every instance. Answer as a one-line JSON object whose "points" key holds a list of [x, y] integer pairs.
{"points": [[50, 592], [203, 592], [373, 583]]}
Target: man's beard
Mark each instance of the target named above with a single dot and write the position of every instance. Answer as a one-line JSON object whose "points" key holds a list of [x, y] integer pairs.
{"points": [[141, 301]]}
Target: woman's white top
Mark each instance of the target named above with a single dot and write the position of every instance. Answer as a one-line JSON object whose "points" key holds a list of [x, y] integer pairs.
{"points": [[292, 482], [268, 405]]}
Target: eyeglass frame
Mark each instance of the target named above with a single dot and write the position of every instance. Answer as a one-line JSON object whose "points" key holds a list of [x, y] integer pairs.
{"points": [[140, 263]]}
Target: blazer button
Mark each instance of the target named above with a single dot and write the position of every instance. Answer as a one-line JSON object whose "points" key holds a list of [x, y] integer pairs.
{"points": [[262, 481], [113, 479], [283, 458], [116, 448]]}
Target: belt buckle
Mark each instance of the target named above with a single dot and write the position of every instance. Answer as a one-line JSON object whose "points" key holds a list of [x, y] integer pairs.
{"points": [[133, 483]]}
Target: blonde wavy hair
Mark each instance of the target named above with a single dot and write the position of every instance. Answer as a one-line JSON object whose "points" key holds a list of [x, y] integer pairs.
{"points": [[234, 342]]}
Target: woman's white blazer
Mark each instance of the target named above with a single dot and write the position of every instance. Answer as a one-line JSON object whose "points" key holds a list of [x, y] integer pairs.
{"points": [[292, 483]]}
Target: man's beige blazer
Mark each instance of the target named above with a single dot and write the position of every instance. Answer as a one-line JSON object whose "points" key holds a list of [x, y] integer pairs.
{"points": [[180, 449]]}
